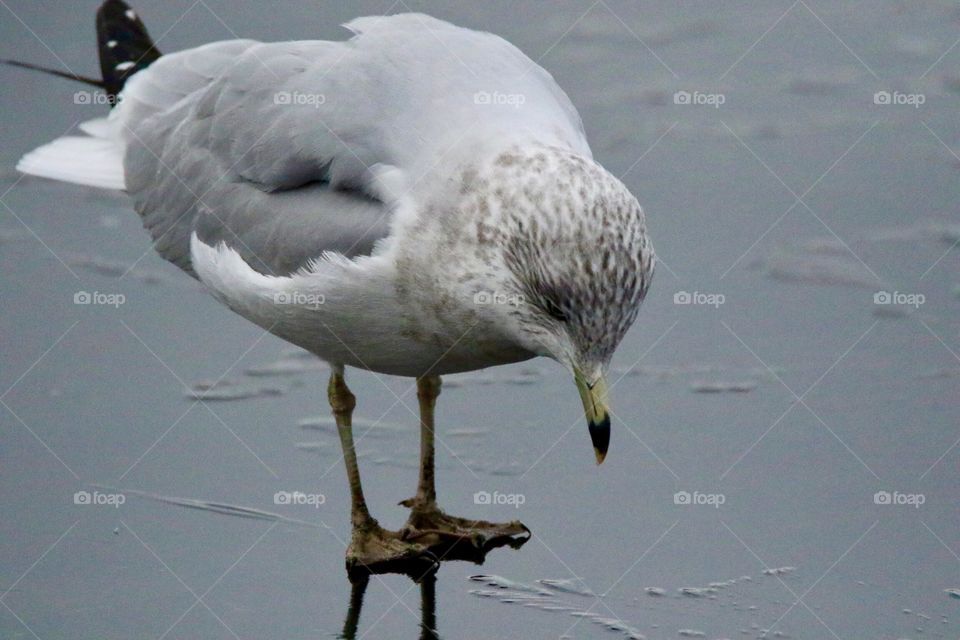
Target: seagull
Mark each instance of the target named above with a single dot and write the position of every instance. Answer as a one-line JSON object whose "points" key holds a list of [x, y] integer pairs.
{"points": [[418, 200]]}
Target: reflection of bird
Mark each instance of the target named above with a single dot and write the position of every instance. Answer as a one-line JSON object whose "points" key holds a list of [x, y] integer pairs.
{"points": [[428, 607], [418, 200]]}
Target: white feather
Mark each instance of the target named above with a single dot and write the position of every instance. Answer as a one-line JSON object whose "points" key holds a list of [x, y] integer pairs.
{"points": [[94, 162], [97, 161]]}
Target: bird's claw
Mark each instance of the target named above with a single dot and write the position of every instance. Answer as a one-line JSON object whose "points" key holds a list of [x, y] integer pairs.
{"points": [[377, 550], [450, 537]]}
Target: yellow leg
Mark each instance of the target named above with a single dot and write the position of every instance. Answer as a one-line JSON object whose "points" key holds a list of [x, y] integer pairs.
{"points": [[342, 401], [427, 523], [428, 389], [372, 548]]}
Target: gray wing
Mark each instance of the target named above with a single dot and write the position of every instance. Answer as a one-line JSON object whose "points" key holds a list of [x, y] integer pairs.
{"points": [[185, 176], [276, 149]]}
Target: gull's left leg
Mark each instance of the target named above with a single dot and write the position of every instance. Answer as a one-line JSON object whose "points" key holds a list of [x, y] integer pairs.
{"points": [[372, 548], [429, 525]]}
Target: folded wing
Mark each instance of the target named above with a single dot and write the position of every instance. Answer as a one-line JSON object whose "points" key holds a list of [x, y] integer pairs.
{"points": [[278, 150]]}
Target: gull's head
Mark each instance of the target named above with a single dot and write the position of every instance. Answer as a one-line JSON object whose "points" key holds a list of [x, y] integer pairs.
{"points": [[577, 264]]}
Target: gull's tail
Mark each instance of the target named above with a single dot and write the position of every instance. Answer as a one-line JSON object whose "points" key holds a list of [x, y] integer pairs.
{"points": [[125, 48]]}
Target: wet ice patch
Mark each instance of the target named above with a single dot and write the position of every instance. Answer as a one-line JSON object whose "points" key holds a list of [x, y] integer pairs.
{"points": [[525, 377], [723, 386], [614, 624], [947, 372], [467, 433], [289, 363], [457, 380], [722, 584], [312, 446], [664, 372], [512, 597], [572, 585], [115, 268], [368, 428], [522, 377], [228, 390], [824, 83], [504, 583], [498, 469], [820, 270], [610, 624], [935, 231], [561, 595], [545, 599], [221, 508], [704, 378], [824, 245]]}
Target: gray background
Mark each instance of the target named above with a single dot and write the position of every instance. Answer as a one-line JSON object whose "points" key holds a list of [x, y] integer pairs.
{"points": [[797, 200]]}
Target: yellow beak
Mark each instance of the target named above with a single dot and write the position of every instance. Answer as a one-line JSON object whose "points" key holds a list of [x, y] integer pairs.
{"points": [[595, 405]]}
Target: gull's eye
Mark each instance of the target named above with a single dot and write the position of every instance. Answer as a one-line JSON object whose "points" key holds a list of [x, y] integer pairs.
{"points": [[555, 311]]}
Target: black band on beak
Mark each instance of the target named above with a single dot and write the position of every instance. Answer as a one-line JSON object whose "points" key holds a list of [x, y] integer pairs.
{"points": [[600, 435]]}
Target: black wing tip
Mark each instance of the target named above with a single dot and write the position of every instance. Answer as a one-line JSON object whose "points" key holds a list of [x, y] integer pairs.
{"points": [[125, 48], [124, 43], [117, 10]]}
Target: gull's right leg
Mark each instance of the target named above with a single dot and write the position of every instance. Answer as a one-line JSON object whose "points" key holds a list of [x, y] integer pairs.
{"points": [[431, 526], [372, 548]]}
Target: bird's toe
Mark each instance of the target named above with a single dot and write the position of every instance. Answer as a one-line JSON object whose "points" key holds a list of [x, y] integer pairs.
{"points": [[381, 551]]}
